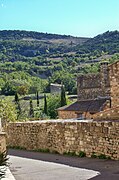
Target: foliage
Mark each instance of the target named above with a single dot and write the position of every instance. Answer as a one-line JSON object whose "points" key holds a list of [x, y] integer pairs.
{"points": [[82, 154], [45, 111], [22, 90], [31, 111], [28, 64], [63, 96], [16, 98], [8, 89], [3, 164], [37, 96], [102, 156], [106, 42], [72, 153], [18, 108], [3, 158], [53, 102], [7, 111]]}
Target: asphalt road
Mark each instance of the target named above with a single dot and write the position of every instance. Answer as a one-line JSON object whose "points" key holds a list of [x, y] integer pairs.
{"points": [[26, 165]]}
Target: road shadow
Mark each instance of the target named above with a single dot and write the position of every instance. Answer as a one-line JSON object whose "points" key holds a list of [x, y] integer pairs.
{"points": [[109, 169]]}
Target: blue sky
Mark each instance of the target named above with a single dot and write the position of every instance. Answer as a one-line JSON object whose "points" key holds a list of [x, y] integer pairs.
{"points": [[74, 17]]}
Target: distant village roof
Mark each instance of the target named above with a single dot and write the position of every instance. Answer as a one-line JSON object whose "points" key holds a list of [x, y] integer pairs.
{"points": [[56, 85], [85, 106]]}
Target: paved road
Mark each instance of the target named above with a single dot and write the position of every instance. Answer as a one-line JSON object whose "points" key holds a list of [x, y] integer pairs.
{"points": [[27, 165]]}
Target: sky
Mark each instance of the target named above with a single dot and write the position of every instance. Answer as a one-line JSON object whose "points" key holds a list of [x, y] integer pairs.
{"points": [[82, 18]]}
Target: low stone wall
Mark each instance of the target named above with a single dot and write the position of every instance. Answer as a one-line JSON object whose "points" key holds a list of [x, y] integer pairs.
{"points": [[2, 142], [67, 136]]}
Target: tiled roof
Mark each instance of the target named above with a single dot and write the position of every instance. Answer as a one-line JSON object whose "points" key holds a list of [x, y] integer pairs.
{"points": [[85, 106]]}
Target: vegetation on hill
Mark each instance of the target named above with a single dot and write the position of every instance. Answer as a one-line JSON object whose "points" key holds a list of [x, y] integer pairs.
{"points": [[107, 42], [30, 61]]}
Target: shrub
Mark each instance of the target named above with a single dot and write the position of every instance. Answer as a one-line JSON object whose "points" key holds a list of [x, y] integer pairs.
{"points": [[7, 111], [82, 154], [3, 158]]}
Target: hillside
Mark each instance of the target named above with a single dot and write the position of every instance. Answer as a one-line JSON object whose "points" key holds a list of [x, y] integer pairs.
{"points": [[32, 60], [106, 42], [30, 44]]}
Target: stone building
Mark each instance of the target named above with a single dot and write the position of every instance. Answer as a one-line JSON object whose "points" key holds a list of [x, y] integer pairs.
{"points": [[92, 86], [96, 93], [55, 88], [113, 112]]}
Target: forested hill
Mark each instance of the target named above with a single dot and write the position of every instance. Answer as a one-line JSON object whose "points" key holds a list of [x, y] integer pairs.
{"points": [[38, 36], [106, 42], [34, 60], [30, 44]]}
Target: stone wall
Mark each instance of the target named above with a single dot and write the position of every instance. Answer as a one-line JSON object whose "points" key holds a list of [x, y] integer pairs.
{"points": [[113, 112], [91, 86], [2, 142], [67, 136], [114, 83]]}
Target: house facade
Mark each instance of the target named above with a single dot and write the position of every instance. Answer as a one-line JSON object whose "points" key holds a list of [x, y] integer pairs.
{"points": [[96, 93]]}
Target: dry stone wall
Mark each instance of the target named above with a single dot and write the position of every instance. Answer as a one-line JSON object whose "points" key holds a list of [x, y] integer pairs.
{"points": [[67, 136]]}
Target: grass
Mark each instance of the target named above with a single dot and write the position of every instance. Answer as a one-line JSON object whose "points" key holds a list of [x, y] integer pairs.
{"points": [[72, 153], [101, 156]]}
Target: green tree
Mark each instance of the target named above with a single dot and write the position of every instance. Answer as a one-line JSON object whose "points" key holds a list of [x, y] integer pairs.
{"points": [[37, 98], [22, 90], [16, 98], [17, 105], [8, 89], [53, 103], [45, 105], [63, 96], [8, 111], [31, 111]]}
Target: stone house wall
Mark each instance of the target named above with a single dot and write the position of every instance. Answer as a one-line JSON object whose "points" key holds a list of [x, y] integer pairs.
{"points": [[114, 83], [67, 114], [73, 114], [67, 136], [113, 112], [93, 85]]}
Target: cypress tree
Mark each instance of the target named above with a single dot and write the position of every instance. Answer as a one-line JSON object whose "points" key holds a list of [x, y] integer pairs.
{"points": [[16, 98], [31, 111], [17, 105], [63, 97], [45, 105], [37, 98]]}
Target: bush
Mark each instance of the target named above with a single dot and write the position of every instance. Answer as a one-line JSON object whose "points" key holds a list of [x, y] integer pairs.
{"points": [[53, 103], [3, 158], [82, 154], [7, 111]]}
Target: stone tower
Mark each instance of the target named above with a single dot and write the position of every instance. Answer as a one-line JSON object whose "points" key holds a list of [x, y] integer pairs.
{"points": [[104, 75]]}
